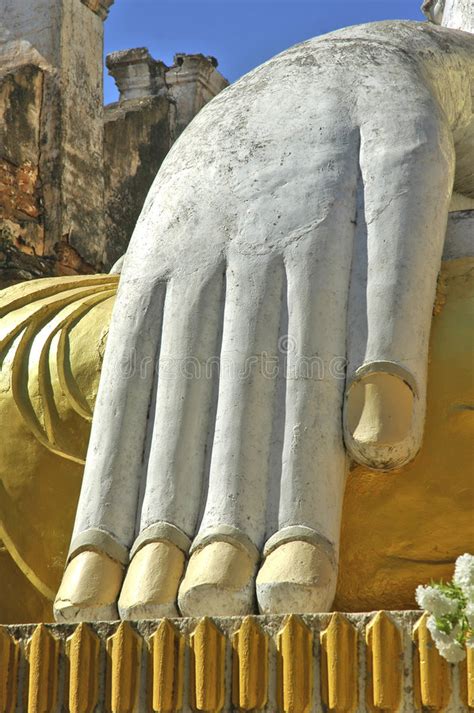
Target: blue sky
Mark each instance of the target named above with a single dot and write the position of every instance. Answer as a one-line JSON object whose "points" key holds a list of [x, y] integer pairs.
{"points": [[240, 33]]}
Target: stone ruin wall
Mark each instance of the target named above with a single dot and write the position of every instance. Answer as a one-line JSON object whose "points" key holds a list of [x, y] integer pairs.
{"points": [[156, 104], [73, 175]]}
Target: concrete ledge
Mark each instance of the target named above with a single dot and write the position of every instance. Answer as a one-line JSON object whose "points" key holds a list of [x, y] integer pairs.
{"points": [[296, 664]]}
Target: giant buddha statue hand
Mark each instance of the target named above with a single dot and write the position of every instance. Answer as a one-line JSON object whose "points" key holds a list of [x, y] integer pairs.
{"points": [[273, 315]]}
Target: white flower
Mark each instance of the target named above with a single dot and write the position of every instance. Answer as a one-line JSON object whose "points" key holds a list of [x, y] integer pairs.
{"points": [[470, 614], [434, 601], [452, 652], [464, 575], [469, 593], [440, 636]]}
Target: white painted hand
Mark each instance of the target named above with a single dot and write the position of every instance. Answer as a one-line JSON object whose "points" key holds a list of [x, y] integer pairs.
{"points": [[296, 226]]}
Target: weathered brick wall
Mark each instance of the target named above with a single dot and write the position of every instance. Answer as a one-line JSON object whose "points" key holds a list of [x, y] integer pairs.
{"points": [[31, 242], [51, 138], [21, 199]]}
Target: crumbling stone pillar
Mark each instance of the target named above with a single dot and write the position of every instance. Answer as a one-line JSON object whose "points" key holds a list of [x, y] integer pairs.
{"points": [[137, 137], [51, 152], [156, 103], [193, 81]]}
